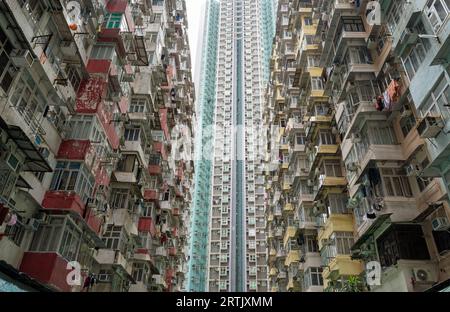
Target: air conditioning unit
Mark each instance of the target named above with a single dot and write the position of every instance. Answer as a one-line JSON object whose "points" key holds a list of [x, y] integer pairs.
{"points": [[352, 166], [355, 138], [22, 58], [68, 48], [119, 117], [115, 96], [33, 224], [408, 37], [310, 182], [422, 275], [440, 224], [405, 111], [430, 127], [413, 170]]}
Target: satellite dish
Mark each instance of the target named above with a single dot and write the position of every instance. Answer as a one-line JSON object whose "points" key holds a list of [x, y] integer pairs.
{"points": [[74, 12]]}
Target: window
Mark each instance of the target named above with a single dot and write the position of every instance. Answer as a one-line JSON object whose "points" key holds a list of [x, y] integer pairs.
{"points": [[74, 77], [7, 69], [132, 134], [316, 83], [28, 99], [140, 272], [333, 168], [148, 210], [442, 241], [352, 24], [308, 21], [327, 138], [394, 14], [113, 20], [381, 134], [407, 124], [103, 52], [35, 9], [223, 271], [138, 106], [437, 12], [119, 198], [80, 127], [300, 139], [60, 235], [313, 277], [311, 243], [438, 101], [73, 176], [115, 238], [343, 242], [16, 232], [309, 39], [337, 204], [395, 182]]}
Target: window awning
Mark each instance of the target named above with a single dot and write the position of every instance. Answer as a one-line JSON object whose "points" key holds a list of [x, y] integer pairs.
{"points": [[34, 161], [372, 228], [23, 184], [428, 211]]}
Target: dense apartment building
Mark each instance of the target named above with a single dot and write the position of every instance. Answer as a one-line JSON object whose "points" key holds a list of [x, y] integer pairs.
{"points": [[97, 104], [234, 74], [358, 179]]}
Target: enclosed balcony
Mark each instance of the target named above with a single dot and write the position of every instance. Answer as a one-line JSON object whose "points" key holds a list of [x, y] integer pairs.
{"points": [[331, 21], [49, 254], [70, 189]]}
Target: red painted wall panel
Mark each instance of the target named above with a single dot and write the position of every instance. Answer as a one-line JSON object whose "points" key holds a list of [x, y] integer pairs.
{"points": [[163, 120], [98, 66], [116, 6], [105, 118], [48, 268], [74, 149], [55, 200], [123, 105], [151, 195], [147, 225], [90, 95], [154, 170], [94, 222]]}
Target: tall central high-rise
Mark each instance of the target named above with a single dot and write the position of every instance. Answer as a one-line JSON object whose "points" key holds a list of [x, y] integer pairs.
{"points": [[228, 249]]}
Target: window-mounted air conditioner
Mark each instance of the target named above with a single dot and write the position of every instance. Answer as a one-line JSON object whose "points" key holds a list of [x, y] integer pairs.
{"points": [[409, 37], [352, 166], [405, 111], [33, 224], [22, 58], [413, 170], [430, 127], [440, 224]]}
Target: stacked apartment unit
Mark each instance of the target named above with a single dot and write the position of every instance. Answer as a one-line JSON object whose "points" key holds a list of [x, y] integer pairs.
{"points": [[358, 196], [97, 108]]}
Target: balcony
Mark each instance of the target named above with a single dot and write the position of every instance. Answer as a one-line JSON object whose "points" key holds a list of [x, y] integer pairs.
{"points": [[151, 195], [48, 268], [136, 147], [154, 170], [328, 28], [159, 280], [123, 217], [115, 258], [320, 151], [329, 182], [146, 225], [161, 252]]}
